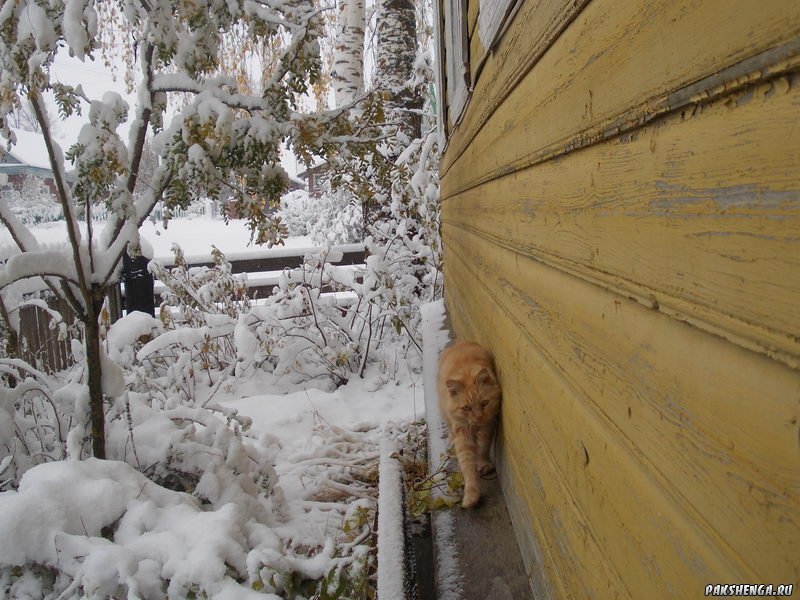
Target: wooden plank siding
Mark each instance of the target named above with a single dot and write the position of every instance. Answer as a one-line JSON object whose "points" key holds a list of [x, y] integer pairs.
{"points": [[621, 225]]}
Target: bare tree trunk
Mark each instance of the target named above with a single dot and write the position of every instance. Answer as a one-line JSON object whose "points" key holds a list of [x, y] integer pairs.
{"points": [[397, 50], [348, 57], [96, 403], [91, 293]]}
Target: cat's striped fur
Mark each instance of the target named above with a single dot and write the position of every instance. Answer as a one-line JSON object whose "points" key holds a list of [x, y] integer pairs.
{"points": [[469, 399]]}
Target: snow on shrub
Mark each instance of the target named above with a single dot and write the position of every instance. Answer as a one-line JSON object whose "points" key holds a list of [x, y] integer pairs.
{"points": [[33, 202], [333, 218], [102, 529]]}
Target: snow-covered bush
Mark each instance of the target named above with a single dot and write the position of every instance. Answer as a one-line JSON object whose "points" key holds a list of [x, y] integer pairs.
{"points": [[202, 291], [202, 497], [295, 212], [189, 504], [322, 321], [105, 530], [312, 325], [409, 240], [375, 316], [33, 202], [333, 218], [35, 418], [340, 219]]}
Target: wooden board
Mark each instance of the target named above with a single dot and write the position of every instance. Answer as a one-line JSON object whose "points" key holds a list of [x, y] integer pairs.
{"points": [[621, 224], [456, 60], [536, 26], [477, 53], [473, 8], [616, 65], [697, 214], [680, 470]]}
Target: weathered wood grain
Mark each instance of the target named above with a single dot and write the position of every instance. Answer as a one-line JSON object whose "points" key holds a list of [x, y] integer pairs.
{"points": [[685, 467], [456, 47], [477, 53], [549, 509], [528, 528], [699, 214], [473, 8], [536, 27], [40, 345], [616, 63], [621, 223]]}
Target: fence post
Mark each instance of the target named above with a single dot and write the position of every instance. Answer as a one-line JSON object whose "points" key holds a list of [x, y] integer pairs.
{"points": [[115, 302]]}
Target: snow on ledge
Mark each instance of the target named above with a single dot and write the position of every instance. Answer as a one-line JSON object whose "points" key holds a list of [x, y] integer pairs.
{"points": [[391, 543], [260, 252], [434, 338]]}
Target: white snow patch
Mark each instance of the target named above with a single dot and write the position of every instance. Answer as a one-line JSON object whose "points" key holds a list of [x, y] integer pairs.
{"points": [[391, 545], [123, 335], [57, 516], [434, 339]]}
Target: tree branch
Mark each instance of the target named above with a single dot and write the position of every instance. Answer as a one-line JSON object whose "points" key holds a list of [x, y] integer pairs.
{"points": [[64, 193]]}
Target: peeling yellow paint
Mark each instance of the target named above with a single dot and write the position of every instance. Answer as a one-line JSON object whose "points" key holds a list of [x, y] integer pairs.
{"points": [[621, 224]]}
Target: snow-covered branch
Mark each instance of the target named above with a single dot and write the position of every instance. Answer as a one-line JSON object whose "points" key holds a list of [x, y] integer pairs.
{"points": [[47, 263]]}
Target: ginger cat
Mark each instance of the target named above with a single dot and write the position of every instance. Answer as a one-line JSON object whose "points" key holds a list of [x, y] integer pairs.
{"points": [[469, 398]]}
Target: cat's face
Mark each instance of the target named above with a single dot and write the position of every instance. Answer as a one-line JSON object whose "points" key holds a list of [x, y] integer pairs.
{"points": [[475, 400]]}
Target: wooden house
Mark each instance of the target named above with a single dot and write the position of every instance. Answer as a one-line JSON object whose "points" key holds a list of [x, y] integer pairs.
{"points": [[621, 224], [27, 158], [316, 178]]}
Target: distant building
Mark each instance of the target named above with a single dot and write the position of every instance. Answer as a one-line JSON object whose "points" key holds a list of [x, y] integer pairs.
{"points": [[296, 184], [316, 177], [28, 157]]}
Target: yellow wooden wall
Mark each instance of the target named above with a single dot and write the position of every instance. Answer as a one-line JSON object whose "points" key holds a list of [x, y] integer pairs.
{"points": [[621, 222]]}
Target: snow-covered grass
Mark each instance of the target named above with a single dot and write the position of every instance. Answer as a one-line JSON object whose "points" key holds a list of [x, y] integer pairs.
{"points": [[195, 235]]}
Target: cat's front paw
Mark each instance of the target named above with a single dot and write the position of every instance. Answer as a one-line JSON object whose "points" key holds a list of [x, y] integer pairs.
{"points": [[486, 468], [471, 499]]}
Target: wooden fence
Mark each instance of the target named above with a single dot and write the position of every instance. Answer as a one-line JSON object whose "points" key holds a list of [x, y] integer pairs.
{"points": [[261, 284], [38, 336]]}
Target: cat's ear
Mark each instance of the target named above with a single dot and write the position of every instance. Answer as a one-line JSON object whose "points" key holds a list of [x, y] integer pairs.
{"points": [[484, 377], [454, 387]]}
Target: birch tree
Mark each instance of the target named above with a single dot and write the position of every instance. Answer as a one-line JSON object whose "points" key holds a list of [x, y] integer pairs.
{"points": [[395, 57], [348, 57], [224, 143]]}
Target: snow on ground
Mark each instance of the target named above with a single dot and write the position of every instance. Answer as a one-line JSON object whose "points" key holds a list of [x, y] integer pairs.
{"points": [[359, 405], [314, 438], [297, 421], [195, 235]]}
